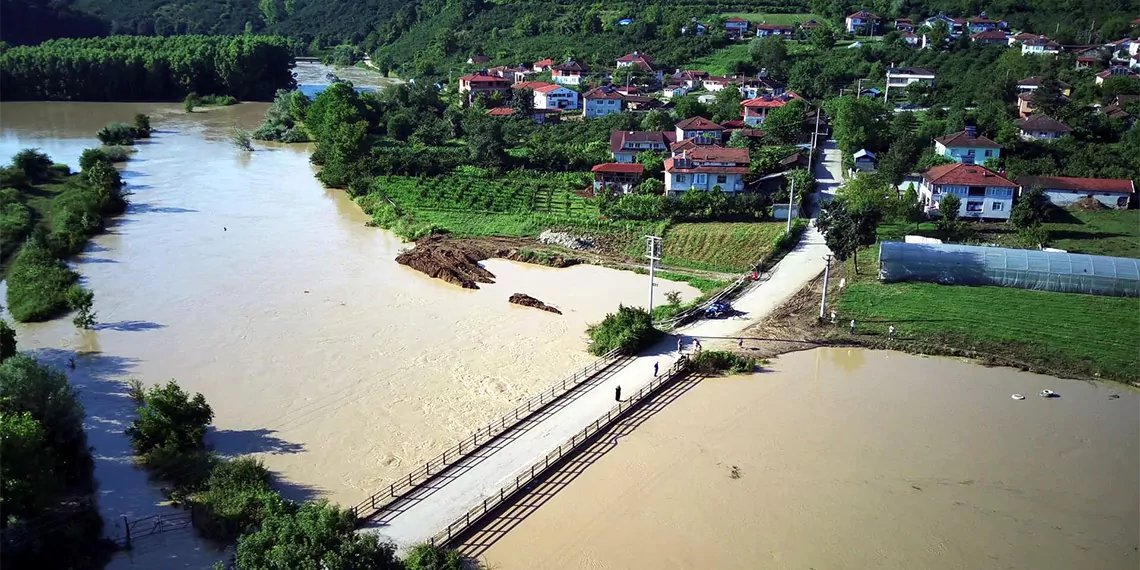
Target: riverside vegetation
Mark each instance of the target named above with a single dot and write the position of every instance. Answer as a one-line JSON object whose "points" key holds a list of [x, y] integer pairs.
{"points": [[46, 478], [232, 499]]}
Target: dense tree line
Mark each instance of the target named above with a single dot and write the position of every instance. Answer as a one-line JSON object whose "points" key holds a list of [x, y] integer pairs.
{"points": [[128, 68]]}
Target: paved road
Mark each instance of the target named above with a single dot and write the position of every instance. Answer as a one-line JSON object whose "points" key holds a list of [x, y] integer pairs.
{"points": [[828, 171], [482, 475]]}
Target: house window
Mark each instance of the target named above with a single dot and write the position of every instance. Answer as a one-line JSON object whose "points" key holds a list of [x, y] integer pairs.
{"points": [[998, 206], [977, 191], [700, 178], [970, 152], [989, 153], [974, 206], [722, 179], [679, 178]]}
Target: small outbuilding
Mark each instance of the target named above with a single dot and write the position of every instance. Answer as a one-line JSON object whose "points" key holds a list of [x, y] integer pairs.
{"points": [[864, 160], [620, 176], [1065, 190]]}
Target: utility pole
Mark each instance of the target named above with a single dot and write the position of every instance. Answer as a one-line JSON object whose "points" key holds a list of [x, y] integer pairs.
{"points": [[791, 195], [826, 277], [814, 136], [653, 252], [859, 93]]}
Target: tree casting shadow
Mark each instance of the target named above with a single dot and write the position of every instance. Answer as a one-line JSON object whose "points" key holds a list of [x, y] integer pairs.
{"points": [[241, 442]]}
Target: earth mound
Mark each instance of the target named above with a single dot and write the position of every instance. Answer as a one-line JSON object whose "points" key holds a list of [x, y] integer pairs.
{"points": [[528, 301]]}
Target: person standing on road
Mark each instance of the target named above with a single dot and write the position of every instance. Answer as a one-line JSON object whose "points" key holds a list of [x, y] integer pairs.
{"points": [[617, 393], [655, 364]]}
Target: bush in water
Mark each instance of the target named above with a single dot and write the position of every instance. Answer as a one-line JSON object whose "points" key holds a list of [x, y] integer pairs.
{"points": [[38, 282], [313, 535], [630, 329], [81, 301], [430, 557], [142, 126], [236, 498], [117, 133], [712, 361], [170, 418]]}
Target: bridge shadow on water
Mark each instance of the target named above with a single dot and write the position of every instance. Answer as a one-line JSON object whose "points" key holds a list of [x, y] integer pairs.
{"points": [[475, 542], [421, 492]]}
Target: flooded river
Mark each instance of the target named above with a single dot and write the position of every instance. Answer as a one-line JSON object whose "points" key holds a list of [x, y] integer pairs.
{"points": [[240, 277], [837, 459]]}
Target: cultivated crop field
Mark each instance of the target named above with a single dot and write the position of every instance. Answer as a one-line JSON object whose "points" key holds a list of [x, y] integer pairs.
{"points": [[1087, 335], [730, 247], [475, 193]]}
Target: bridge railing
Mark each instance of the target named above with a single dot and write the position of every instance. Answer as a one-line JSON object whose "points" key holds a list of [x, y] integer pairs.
{"points": [[381, 499], [536, 469]]}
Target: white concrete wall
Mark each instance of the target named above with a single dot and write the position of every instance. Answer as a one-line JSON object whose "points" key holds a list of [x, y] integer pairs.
{"points": [[1066, 197], [602, 107], [732, 183]]}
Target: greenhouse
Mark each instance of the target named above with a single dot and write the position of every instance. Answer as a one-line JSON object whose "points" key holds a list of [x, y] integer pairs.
{"points": [[951, 264]]}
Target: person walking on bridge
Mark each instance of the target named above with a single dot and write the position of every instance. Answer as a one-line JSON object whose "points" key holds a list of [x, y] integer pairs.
{"points": [[655, 365], [617, 393]]}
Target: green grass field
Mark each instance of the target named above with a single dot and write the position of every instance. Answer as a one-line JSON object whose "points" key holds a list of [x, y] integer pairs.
{"points": [[1101, 232], [717, 62], [1081, 335], [777, 19], [720, 246]]}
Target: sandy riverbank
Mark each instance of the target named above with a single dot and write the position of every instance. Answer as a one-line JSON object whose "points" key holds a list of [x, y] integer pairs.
{"points": [[847, 458]]}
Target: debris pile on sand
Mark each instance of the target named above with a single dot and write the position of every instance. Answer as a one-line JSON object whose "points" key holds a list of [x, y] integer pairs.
{"points": [[454, 261], [566, 240], [528, 301]]}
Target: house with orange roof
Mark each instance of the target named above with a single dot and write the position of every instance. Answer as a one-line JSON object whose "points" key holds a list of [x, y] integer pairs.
{"points": [[569, 73], [482, 83], [641, 62], [550, 95], [542, 65], [707, 168], [983, 192], [700, 130], [602, 101], [755, 111]]}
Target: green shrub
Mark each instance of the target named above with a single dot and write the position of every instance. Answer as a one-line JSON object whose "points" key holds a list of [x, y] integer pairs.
{"points": [[117, 153], [713, 361], [431, 557], [35, 164], [13, 177], [216, 101], [313, 535], [170, 418], [185, 470], [142, 126], [236, 498], [7, 341], [117, 134], [90, 156], [38, 283], [629, 329], [15, 225]]}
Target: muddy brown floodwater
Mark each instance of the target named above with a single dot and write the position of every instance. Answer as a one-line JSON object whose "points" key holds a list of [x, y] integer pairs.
{"points": [[239, 276], [838, 458]]}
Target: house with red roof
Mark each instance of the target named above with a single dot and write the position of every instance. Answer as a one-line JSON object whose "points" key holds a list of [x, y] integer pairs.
{"points": [[982, 23], [755, 111], [641, 62], [707, 168], [810, 25], [861, 23], [542, 65], [482, 83], [990, 38], [626, 145], [700, 130], [602, 101], [983, 192], [904, 25], [736, 27], [617, 176], [1064, 190], [692, 79], [953, 24], [478, 60], [1039, 45], [714, 83], [569, 73], [1114, 71], [550, 95]]}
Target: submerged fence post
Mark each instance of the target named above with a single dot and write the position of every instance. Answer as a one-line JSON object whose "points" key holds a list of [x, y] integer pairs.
{"points": [[127, 527]]}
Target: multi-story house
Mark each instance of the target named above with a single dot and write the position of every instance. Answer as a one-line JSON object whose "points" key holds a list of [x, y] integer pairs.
{"points": [[602, 101], [569, 73], [699, 130], [755, 111], [810, 25], [1041, 128], [861, 23], [1114, 71], [982, 23], [967, 147], [483, 84], [620, 177], [954, 25], [990, 38], [736, 27], [753, 87], [983, 192], [1030, 84], [640, 62], [542, 65], [707, 168], [626, 145], [550, 96], [692, 79], [672, 91], [714, 83]]}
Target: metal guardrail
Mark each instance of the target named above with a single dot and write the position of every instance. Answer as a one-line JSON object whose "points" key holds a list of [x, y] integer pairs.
{"points": [[396, 490], [152, 525], [538, 468]]}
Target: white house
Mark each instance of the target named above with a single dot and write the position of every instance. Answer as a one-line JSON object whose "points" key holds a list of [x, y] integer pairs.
{"points": [[736, 27], [602, 101], [901, 77], [1041, 128], [706, 168], [569, 73], [700, 130], [983, 192], [953, 25], [1040, 45], [860, 23], [755, 111], [672, 91], [626, 145], [765, 30], [1063, 190], [550, 96], [714, 83], [640, 61], [1114, 71]]}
